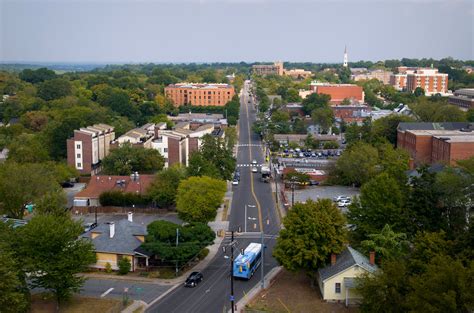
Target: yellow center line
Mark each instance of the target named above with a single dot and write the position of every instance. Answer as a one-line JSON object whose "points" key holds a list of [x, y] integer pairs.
{"points": [[251, 174]]}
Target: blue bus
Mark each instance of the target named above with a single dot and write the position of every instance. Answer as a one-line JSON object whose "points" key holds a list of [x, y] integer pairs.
{"points": [[246, 264]]}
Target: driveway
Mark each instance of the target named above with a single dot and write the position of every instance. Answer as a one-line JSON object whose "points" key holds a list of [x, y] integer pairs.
{"points": [[322, 192]]}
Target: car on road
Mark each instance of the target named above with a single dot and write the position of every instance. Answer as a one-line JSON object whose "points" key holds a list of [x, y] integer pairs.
{"points": [[341, 197], [235, 181], [344, 203], [254, 169], [193, 279], [254, 162], [313, 182]]}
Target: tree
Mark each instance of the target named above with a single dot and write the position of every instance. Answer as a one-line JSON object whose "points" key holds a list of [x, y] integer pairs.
{"points": [[24, 183], [53, 255], [386, 127], [314, 101], [387, 244], [124, 265], [312, 231], [28, 148], [418, 92], [324, 117], [230, 138], [380, 203], [445, 286], [470, 115], [53, 202], [200, 166], [127, 159], [199, 197], [54, 89], [164, 188], [37, 76], [366, 158]]}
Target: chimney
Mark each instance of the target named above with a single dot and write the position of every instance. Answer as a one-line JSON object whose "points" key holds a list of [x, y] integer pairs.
{"points": [[111, 229], [333, 258], [130, 217], [372, 257]]}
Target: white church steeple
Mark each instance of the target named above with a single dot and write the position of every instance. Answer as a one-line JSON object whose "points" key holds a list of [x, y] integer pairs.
{"points": [[345, 57]]}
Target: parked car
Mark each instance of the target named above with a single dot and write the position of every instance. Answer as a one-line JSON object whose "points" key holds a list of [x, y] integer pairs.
{"points": [[301, 155], [193, 279], [235, 181], [313, 155], [344, 203], [67, 184], [313, 182], [341, 197]]}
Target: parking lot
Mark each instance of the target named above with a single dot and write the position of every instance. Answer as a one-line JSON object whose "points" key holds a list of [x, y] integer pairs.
{"points": [[322, 192]]}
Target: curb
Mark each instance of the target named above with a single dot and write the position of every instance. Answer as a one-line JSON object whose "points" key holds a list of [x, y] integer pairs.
{"points": [[240, 305], [134, 306], [162, 296]]}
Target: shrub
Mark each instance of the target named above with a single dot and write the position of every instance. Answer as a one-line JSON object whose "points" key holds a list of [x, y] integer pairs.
{"points": [[119, 198], [203, 253], [108, 268], [124, 266]]}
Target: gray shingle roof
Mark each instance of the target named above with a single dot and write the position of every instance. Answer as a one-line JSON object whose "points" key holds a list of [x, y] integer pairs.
{"points": [[345, 260], [124, 240]]}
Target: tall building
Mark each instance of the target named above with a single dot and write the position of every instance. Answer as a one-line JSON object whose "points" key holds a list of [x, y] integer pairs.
{"points": [[88, 147], [200, 94], [345, 64], [268, 69], [463, 98], [429, 80]]}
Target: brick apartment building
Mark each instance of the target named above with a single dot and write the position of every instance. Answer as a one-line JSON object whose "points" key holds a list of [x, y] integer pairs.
{"points": [[410, 78], [200, 94], [381, 75], [339, 92], [268, 69], [430, 143], [463, 98], [88, 147], [139, 137]]}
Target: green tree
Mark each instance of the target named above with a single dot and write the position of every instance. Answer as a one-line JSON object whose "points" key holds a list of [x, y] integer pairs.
{"points": [[28, 148], [312, 231], [124, 266], [164, 188], [315, 101], [366, 158], [37, 76], [53, 255], [53, 202], [386, 127], [230, 138], [127, 159], [200, 166], [199, 197], [418, 92], [381, 202], [387, 244], [470, 115], [54, 89], [324, 117]]}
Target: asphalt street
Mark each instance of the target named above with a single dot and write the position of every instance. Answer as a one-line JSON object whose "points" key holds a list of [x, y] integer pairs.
{"points": [[213, 294]]}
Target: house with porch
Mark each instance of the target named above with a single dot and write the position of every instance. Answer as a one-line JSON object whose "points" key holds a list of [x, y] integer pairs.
{"points": [[116, 240], [337, 281]]}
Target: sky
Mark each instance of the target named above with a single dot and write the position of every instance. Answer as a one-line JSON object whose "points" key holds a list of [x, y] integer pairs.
{"points": [[136, 31]]}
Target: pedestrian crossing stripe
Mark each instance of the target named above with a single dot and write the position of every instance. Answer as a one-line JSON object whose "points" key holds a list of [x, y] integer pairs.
{"points": [[249, 145], [249, 165]]}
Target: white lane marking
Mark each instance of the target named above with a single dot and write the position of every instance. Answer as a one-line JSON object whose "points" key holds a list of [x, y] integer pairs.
{"points": [[106, 293]]}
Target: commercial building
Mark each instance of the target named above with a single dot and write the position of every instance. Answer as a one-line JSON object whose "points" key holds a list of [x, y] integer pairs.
{"points": [[381, 75], [297, 73], [429, 80], [199, 94], [463, 98], [429, 143], [88, 147], [338, 92], [268, 69], [200, 118]]}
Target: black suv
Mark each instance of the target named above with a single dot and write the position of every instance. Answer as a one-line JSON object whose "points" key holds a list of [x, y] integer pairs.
{"points": [[193, 279]]}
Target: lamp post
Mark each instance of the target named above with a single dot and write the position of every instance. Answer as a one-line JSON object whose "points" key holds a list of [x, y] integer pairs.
{"points": [[245, 225], [293, 181]]}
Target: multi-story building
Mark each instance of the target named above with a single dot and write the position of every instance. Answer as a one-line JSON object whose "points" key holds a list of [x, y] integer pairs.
{"points": [[351, 113], [429, 80], [88, 147], [176, 145], [338, 92], [200, 118], [200, 94], [398, 81], [429, 143], [141, 136], [268, 69], [381, 75], [297, 73], [463, 98]]}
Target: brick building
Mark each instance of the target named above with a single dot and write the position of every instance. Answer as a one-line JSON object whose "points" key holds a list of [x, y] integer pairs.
{"points": [[88, 147], [429, 143], [429, 80], [268, 69], [351, 113], [200, 94], [381, 75], [141, 136], [297, 73], [339, 92], [463, 98]]}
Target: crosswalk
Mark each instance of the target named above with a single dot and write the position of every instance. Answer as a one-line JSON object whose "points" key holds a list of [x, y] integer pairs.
{"points": [[249, 145], [250, 165]]}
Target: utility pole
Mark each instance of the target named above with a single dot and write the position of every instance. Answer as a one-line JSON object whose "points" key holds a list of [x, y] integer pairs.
{"points": [[262, 283], [232, 272], [177, 241], [292, 192]]}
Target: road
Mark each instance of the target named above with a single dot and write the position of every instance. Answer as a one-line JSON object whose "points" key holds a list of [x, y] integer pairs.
{"points": [[213, 294]]}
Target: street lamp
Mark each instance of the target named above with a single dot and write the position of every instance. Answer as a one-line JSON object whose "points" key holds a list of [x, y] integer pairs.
{"points": [[293, 182], [250, 206]]}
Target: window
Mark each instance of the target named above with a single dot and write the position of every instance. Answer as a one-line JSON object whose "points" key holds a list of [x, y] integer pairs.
{"points": [[78, 146], [165, 149], [338, 288], [78, 155], [79, 165]]}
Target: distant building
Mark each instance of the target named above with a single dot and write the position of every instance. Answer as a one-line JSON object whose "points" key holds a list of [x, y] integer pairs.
{"points": [[141, 136], [88, 147], [429, 80], [270, 69], [356, 113], [399, 80], [297, 73], [381, 75], [200, 94], [429, 143], [338, 92], [463, 98]]}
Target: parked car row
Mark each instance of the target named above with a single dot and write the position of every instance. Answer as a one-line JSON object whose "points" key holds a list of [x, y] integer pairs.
{"points": [[236, 179], [342, 201], [311, 154]]}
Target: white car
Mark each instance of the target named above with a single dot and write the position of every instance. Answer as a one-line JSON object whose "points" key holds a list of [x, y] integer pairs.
{"points": [[254, 162], [235, 181], [254, 169], [344, 203], [340, 198]]}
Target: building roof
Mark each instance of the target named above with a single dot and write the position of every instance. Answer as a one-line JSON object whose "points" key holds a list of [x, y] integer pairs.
{"points": [[102, 183], [123, 241], [434, 126], [348, 258], [200, 86]]}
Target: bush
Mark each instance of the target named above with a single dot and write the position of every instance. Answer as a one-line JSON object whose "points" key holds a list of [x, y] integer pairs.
{"points": [[203, 253], [124, 266], [119, 198], [108, 268], [331, 145]]}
